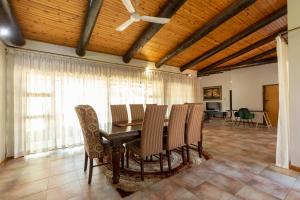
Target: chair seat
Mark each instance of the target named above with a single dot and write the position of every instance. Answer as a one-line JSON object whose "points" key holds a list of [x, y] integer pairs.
{"points": [[135, 146]]}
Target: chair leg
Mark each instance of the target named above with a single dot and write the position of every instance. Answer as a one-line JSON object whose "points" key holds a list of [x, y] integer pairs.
{"points": [[90, 171], [85, 161], [122, 161], [161, 162], [200, 149], [127, 158], [169, 159], [188, 153], [151, 159], [142, 169], [182, 154]]}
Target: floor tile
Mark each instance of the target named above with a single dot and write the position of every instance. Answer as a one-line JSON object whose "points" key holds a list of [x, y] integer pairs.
{"points": [[250, 193], [207, 191]]}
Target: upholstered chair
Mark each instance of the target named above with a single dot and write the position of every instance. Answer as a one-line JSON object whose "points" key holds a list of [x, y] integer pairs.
{"points": [[137, 112], [194, 128], [94, 146], [151, 142], [119, 113], [176, 131]]}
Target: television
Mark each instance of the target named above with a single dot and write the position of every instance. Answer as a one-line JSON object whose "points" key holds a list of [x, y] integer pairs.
{"points": [[215, 106]]}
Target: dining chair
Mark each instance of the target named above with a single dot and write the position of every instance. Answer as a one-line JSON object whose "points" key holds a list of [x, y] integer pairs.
{"points": [[137, 112], [119, 113], [194, 129], [190, 108], [94, 146], [151, 142], [176, 129]]}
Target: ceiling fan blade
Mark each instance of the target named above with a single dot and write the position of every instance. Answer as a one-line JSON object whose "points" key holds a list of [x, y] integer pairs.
{"points": [[129, 6], [123, 26], [158, 20]]}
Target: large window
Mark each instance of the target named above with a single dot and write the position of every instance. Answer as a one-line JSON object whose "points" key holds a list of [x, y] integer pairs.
{"points": [[47, 88]]}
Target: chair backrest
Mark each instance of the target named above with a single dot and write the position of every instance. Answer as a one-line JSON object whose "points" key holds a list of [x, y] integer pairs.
{"points": [[119, 113], [90, 128], [194, 125], [137, 111], [152, 130], [190, 109], [243, 113], [176, 126]]}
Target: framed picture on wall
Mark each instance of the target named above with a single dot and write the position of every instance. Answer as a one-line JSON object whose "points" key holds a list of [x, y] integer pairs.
{"points": [[212, 93]]}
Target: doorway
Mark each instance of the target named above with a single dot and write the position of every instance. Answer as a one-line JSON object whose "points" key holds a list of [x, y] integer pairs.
{"points": [[271, 102]]}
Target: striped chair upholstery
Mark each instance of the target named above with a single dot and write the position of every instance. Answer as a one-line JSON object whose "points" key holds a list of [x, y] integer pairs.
{"points": [[94, 146], [194, 124], [151, 141], [152, 130], [118, 113], [137, 112], [176, 127], [176, 131], [194, 129], [190, 108]]}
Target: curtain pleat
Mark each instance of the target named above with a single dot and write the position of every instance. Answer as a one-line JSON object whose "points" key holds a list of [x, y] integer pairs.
{"points": [[43, 90], [283, 130]]}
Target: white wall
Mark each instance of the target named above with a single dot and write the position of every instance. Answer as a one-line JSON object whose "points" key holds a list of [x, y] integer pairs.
{"points": [[294, 82], [2, 101], [246, 85]]}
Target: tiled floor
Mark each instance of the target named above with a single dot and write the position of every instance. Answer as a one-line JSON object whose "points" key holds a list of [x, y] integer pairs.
{"points": [[241, 168]]}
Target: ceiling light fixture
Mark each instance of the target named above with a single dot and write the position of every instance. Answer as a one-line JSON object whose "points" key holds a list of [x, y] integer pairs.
{"points": [[4, 32]]}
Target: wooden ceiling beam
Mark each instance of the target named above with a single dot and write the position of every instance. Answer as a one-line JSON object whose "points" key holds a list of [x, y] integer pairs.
{"points": [[232, 67], [251, 29], [94, 7], [251, 47], [245, 62], [168, 11], [229, 12], [9, 21]]}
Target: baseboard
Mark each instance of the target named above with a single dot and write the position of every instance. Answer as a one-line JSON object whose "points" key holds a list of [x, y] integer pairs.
{"points": [[295, 168], [6, 160]]}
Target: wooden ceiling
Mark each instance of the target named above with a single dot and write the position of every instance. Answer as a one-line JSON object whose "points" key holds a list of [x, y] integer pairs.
{"points": [[60, 22]]}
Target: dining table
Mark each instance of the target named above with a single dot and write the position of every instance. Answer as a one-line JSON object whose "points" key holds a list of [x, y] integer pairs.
{"points": [[117, 134]]}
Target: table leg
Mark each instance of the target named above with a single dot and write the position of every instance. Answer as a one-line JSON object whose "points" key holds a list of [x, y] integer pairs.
{"points": [[116, 157]]}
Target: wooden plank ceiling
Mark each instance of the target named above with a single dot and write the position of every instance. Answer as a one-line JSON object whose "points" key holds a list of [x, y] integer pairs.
{"points": [[60, 22]]}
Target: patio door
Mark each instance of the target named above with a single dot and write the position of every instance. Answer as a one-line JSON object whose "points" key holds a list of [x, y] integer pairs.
{"points": [[271, 102]]}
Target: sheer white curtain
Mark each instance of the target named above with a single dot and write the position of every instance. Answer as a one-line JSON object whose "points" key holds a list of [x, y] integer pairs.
{"points": [[283, 131], [43, 90]]}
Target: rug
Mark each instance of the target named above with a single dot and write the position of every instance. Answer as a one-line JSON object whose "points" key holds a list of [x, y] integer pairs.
{"points": [[130, 180]]}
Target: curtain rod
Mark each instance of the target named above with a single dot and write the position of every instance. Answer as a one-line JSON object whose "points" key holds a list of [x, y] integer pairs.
{"points": [[286, 32], [88, 59]]}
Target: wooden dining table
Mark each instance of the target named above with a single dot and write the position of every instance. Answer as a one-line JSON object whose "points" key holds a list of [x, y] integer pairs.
{"points": [[118, 134]]}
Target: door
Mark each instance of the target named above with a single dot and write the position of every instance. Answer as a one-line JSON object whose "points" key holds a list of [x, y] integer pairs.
{"points": [[271, 102]]}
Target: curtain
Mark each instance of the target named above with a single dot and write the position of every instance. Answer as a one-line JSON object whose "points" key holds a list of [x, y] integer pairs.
{"points": [[282, 149], [43, 90]]}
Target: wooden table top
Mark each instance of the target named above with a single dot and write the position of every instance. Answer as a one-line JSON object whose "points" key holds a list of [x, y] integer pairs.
{"points": [[121, 130]]}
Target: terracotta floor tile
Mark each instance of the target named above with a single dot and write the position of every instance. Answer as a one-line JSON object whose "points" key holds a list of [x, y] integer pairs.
{"points": [[282, 179], [207, 191], [65, 192], [188, 179], [62, 179], [37, 196], [28, 189], [227, 184], [249, 193], [293, 195], [269, 186]]}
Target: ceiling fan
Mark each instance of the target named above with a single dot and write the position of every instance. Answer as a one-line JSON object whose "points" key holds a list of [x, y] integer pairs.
{"points": [[135, 17]]}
